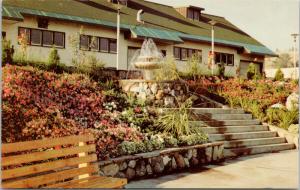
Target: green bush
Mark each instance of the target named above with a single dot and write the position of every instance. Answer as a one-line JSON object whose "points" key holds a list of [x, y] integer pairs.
{"points": [[7, 52], [193, 139], [54, 62], [193, 67], [252, 72], [279, 76], [175, 121], [222, 69], [283, 118], [168, 71]]}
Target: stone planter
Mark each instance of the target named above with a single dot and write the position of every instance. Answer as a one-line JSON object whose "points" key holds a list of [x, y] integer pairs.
{"points": [[162, 162]]}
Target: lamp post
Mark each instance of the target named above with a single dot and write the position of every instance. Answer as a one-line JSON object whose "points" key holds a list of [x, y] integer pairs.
{"points": [[294, 49], [212, 23], [118, 34]]}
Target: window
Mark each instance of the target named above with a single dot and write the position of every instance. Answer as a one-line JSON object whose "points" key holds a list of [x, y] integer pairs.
{"points": [[122, 2], [196, 15], [104, 44], [193, 14], [226, 58], [43, 38], [112, 46], [177, 53], [94, 43], [36, 37], [184, 53], [190, 14], [47, 38], [164, 53], [59, 39], [84, 42]]}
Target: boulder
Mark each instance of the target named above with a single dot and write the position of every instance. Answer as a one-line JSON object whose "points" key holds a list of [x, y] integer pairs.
{"points": [[110, 170], [194, 161], [179, 160], [130, 173], [141, 169], [157, 164], [189, 154], [292, 101], [278, 106], [149, 169], [166, 160], [123, 166], [132, 163], [186, 162], [174, 165]]}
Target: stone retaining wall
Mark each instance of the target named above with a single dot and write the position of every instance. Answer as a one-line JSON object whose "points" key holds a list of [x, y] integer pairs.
{"points": [[158, 93], [162, 162]]}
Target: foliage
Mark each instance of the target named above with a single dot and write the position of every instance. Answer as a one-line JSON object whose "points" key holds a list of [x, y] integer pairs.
{"points": [[38, 104], [284, 60], [193, 67], [193, 139], [54, 62], [282, 117], [85, 63], [175, 121], [168, 70], [252, 72], [279, 76], [222, 69], [253, 96], [7, 52]]}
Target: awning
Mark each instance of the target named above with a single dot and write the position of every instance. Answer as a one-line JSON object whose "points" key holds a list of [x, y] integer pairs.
{"points": [[144, 32]]}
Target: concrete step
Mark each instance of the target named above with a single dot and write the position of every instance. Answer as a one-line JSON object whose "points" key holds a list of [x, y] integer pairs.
{"points": [[232, 122], [217, 111], [234, 129], [253, 142], [231, 116], [236, 136], [258, 149]]}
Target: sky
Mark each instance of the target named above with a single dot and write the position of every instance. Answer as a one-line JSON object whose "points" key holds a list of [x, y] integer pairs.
{"points": [[271, 22]]}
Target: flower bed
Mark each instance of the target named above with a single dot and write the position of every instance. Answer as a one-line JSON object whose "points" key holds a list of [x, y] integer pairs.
{"points": [[255, 96], [37, 104]]}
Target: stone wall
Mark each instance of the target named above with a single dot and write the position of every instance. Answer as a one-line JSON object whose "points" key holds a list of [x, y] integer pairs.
{"points": [[162, 162]]}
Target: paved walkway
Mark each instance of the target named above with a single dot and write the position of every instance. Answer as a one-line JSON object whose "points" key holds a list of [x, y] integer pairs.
{"points": [[276, 170]]}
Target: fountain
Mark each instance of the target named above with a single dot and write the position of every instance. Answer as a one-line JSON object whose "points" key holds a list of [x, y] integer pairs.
{"points": [[148, 58], [160, 93]]}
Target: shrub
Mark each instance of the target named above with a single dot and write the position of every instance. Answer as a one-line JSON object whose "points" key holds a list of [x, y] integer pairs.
{"points": [[193, 67], [193, 139], [282, 117], [175, 121], [279, 76], [7, 52], [168, 71], [222, 69], [252, 72], [54, 62]]}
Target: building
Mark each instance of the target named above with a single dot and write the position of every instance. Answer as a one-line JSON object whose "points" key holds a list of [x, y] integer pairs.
{"points": [[178, 32]]}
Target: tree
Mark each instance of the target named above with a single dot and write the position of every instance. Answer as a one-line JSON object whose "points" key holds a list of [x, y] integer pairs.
{"points": [[279, 76], [284, 60]]}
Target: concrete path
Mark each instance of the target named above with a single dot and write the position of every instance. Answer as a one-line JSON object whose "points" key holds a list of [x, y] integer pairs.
{"points": [[275, 170]]}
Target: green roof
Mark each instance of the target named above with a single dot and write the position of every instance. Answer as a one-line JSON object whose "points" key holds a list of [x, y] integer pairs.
{"points": [[161, 21]]}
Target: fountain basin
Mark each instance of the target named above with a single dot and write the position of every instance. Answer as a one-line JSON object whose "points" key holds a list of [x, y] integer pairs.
{"points": [[156, 93]]}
